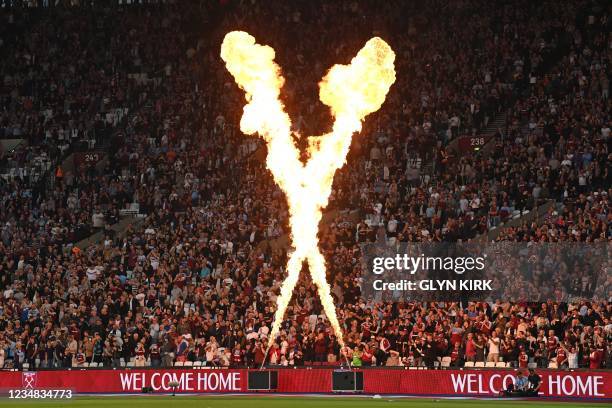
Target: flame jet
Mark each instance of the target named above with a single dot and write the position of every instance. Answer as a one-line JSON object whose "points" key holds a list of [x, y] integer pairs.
{"points": [[352, 92]]}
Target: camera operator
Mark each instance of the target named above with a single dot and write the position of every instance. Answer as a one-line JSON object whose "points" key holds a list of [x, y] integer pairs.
{"points": [[518, 388]]}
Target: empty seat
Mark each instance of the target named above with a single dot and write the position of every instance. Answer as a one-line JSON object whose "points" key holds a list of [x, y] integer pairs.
{"points": [[469, 364], [479, 364], [188, 364], [500, 364], [446, 361], [532, 365], [552, 364], [179, 364], [490, 364]]}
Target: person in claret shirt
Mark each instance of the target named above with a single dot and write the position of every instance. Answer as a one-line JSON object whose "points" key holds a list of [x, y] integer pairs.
{"points": [[484, 325], [237, 356], [79, 359], [455, 356], [274, 354], [366, 355], [552, 343], [456, 332], [366, 326], [561, 356], [523, 358], [596, 356], [470, 348], [259, 352], [140, 359], [320, 347]]}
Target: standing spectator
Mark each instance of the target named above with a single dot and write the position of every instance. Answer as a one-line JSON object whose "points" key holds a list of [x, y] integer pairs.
{"points": [[493, 345]]}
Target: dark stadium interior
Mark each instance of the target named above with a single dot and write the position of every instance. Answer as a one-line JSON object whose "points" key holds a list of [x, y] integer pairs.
{"points": [[140, 227]]}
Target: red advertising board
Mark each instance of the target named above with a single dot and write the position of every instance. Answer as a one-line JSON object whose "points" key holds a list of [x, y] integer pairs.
{"points": [[485, 383]]}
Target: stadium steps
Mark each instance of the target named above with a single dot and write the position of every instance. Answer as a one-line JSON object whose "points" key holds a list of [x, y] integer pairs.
{"points": [[119, 228], [536, 214], [498, 122]]}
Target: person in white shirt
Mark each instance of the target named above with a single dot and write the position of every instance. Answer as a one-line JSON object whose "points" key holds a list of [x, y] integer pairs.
{"points": [[2, 354], [493, 344], [97, 219], [92, 273]]}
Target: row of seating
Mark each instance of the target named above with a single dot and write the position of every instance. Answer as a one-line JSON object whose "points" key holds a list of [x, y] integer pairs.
{"points": [[479, 364], [444, 363]]}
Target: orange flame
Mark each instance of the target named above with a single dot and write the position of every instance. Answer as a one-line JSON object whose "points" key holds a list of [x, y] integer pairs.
{"points": [[352, 92]]}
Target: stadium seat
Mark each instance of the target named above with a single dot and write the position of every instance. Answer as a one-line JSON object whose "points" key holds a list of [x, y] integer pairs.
{"points": [[446, 361], [500, 364], [469, 364], [25, 366], [490, 364], [532, 365], [179, 364], [479, 364], [188, 364], [552, 364], [197, 364]]}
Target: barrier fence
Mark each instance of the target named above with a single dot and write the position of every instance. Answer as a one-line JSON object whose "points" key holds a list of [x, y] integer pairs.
{"points": [[467, 383]]}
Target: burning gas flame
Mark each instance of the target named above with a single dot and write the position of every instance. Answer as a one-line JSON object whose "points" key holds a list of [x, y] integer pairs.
{"points": [[352, 92]]}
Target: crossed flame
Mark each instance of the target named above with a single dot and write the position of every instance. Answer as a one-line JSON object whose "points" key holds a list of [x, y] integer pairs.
{"points": [[352, 92]]}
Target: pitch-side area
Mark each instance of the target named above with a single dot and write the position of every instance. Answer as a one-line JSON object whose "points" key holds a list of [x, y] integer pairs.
{"points": [[287, 401]]}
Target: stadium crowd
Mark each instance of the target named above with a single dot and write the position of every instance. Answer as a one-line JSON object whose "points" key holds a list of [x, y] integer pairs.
{"points": [[196, 279]]}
